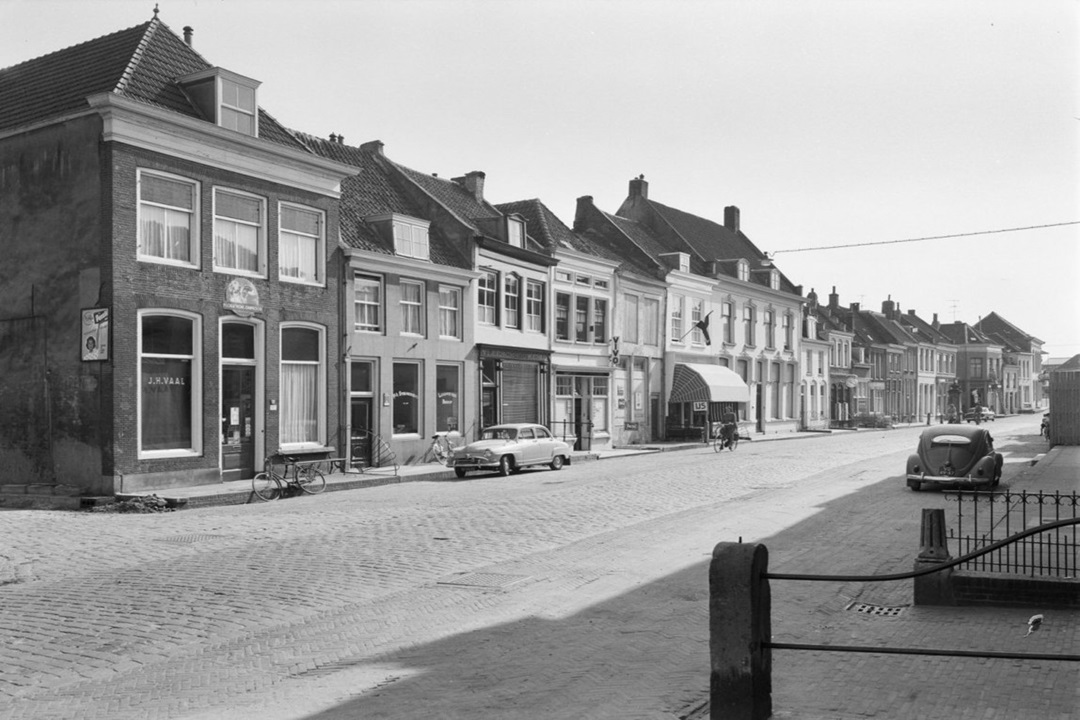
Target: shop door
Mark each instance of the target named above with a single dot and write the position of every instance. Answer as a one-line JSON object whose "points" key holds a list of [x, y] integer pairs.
{"points": [[361, 440], [237, 422], [489, 409]]}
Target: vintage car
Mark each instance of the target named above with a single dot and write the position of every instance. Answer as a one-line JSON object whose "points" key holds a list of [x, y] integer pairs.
{"points": [[511, 447], [958, 456], [979, 414]]}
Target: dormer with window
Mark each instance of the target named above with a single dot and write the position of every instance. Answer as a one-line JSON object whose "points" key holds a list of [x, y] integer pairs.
{"points": [[774, 279], [515, 231], [409, 234], [742, 270], [676, 261], [225, 98]]}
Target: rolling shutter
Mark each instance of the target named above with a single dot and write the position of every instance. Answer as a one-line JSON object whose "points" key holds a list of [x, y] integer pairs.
{"points": [[520, 392]]}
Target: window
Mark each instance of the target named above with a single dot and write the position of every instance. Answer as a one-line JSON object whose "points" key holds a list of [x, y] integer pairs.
{"points": [[302, 385], [742, 269], [563, 276], [487, 298], [411, 238], [727, 312], [977, 367], [512, 301], [599, 320], [630, 318], [676, 318], [301, 243], [237, 107], [788, 324], [534, 306], [406, 398], [697, 311], [168, 227], [562, 316], [581, 319], [412, 308], [361, 373], [447, 398], [239, 233], [169, 381], [368, 303], [651, 316], [770, 329], [774, 279], [449, 312], [599, 402], [515, 232], [748, 325]]}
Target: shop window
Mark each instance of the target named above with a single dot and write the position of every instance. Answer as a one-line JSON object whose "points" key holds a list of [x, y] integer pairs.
{"points": [[302, 386], [169, 383], [447, 398], [406, 398]]}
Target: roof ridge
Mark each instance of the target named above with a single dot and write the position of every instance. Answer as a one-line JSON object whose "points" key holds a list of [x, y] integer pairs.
{"points": [[137, 56], [76, 45]]}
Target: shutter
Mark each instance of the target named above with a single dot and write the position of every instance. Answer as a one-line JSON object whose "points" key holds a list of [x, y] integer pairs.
{"points": [[520, 392]]}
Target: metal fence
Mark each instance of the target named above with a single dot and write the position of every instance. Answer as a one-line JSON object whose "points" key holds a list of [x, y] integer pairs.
{"points": [[984, 518]]}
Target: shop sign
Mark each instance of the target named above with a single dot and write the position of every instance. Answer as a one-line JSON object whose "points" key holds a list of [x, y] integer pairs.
{"points": [[700, 406], [242, 298]]}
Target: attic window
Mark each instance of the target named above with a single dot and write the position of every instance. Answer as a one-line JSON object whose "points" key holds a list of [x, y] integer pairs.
{"points": [[515, 232], [225, 98], [410, 235], [774, 279], [743, 270]]}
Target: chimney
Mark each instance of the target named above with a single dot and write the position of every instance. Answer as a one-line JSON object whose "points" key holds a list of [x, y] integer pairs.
{"points": [[474, 183], [888, 308], [936, 325], [333, 138], [834, 299], [854, 308], [638, 187], [341, 139], [731, 218], [373, 147], [812, 298], [584, 203], [188, 32], [911, 312]]}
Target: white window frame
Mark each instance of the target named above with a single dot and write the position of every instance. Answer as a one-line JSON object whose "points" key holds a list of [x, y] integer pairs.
{"points": [[449, 312], [196, 384], [260, 271], [677, 319], [235, 111], [631, 317], [319, 239], [515, 232], [412, 311], [320, 440], [487, 313], [534, 306], [742, 269], [193, 218], [512, 301], [411, 238], [360, 279], [697, 312], [650, 331]]}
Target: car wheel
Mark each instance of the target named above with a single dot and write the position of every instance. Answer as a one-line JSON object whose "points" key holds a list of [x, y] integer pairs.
{"points": [[557, 462], [914, 485], [506, 465], [460, 472]]}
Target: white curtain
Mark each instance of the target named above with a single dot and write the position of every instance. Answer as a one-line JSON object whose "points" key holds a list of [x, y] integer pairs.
{"points": [[299, 402]]}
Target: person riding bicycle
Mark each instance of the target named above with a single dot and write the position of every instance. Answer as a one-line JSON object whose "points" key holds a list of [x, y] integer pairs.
{"points": [[729, 428]]}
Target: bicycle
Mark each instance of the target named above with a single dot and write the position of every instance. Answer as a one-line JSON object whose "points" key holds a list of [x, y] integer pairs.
{"points": [[270, 485], [442, 449], [727, 438]]}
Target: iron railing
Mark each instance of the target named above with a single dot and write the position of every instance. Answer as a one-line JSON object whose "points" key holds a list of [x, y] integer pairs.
{"points": [[983, 518]]}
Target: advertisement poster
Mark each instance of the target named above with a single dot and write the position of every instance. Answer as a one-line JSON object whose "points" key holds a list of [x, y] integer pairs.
{"points": [[95, 334]]}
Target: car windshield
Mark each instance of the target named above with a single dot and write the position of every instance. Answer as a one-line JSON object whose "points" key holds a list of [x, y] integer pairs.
{"points": [[499, 434]]}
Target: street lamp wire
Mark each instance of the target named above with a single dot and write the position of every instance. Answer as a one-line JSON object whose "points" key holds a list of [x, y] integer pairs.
{"points": [[932, 237]]}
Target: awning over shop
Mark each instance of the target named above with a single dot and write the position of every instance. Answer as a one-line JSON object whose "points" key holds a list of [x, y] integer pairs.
{"points": [[712, 383]]}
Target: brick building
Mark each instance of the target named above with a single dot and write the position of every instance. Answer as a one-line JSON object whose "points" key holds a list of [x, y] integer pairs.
{"points": [[169, 300]]}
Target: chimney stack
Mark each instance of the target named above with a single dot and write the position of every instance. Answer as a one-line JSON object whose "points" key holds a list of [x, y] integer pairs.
{"points": [[638, 187], [834, 299], [888, 308], [474, 183], [731, 218], [584, 203], [188, 32], [936, 325], [373, 147]]}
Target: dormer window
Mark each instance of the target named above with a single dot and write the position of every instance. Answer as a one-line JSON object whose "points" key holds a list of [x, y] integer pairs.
{"points": [[410, 235], [774, 279], [225, 98], [742, 269], [515, 232]]}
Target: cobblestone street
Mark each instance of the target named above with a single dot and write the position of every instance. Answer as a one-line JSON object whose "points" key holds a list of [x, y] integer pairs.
{"points": [[577, 594]]}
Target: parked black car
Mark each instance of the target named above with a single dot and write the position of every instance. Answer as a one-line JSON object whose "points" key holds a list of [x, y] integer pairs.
{"points": [[959, 456]]}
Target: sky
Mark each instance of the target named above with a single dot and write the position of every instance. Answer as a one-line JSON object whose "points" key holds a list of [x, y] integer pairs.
{"points": [[865, 124]]}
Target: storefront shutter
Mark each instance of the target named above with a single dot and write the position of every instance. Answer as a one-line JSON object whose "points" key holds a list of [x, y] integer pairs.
{"points": [[520, 392]]}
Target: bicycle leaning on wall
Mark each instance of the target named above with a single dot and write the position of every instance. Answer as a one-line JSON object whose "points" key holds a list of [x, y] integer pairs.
{"points": [[443, 446], [270, 484]]}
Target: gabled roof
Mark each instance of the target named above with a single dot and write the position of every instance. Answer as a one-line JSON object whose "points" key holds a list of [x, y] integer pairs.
{"points": [[997, 326], [960, 333], [373, 191], [880, 330], [921, 330], [142, 63], [453, 195], [547, 231]]}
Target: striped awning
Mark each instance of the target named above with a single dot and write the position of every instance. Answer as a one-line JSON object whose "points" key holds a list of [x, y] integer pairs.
{"points": [[712, 383]]}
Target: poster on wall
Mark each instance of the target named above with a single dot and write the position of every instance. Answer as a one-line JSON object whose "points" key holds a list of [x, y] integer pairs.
{"points": [[95, 334]]}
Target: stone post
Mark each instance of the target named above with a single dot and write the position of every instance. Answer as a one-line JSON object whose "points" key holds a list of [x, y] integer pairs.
{"points": [[933, 588], [740, 623]]}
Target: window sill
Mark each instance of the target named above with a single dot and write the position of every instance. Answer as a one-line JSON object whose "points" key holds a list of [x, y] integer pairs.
{"points": [[239, 273], [165, 261], [296, 281], [168, 454]]}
